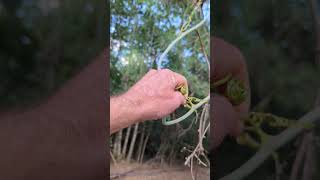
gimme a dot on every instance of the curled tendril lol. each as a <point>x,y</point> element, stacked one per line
<point>186,25</point>
<point>192,104</point>
<point>184,90</point>
<point>192,109</point>
<point>236,92</point>
<point>235,89</point>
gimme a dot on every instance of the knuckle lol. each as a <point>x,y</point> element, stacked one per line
<point>184,78</point>
<point>166,71</point>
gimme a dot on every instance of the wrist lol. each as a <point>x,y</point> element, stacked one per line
<point>132,105</point>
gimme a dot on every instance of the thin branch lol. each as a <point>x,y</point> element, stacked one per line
<point>113,159</point>
<point>199,151</point>
<point>271,145</point>
<point>204,52</point>
<point>309,164</point>
<point>299,159</point>
<point>184,131</point>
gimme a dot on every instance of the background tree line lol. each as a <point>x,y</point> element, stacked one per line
<point>140,32</point>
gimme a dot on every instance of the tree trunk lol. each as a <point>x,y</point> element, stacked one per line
<point>133,140</point>
<point>125,144</point>
<point>117,145</point>
<point>163,148</point>
<point>144,146</point>
<point>141,142</point>
<point>114,144</point>
<point>309,165</point>
<point>113,159</point>
<point>171,156</point>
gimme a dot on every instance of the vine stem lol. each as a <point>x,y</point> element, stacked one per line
<point>193,108</point>
<point>272,145</point>
<point>179,38</point>
<point>203,101</point>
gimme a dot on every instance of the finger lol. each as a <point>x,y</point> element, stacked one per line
<point>225,120</point>
<point>179,98</point>
<point>227,59</point>
<point>235,125</point>
<point>173,103</point>
<point>150,73</point>
<point>175,79</point>
<point>180,80</point>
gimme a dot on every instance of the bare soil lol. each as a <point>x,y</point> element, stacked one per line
<point>135,171</point>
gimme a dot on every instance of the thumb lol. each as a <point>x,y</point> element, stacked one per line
<point>178,99</point>
<point>225,120</point>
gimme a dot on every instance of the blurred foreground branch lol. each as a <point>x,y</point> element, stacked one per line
<point>271,145</point>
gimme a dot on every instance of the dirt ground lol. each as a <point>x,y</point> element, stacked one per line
<point>135,171</point>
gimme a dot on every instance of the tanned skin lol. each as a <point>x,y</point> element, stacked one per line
<point>63,137</point>
<point>152,97</point>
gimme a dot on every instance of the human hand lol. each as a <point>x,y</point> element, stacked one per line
<point>155,96</point>
<point>226,118</point>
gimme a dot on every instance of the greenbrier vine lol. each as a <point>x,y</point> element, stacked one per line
<point>186,25</point>
<point>179,38</point>
<point>193,109</point>
<point>190,100</point>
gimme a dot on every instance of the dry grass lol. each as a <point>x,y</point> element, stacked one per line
<point>135,171</point>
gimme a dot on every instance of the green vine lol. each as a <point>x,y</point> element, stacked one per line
<point>187,24</point>
<point>193,103</point>
<point>235,89</point>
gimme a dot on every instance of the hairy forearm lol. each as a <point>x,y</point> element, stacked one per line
<point>123,112</point>
<point>48,148</point>
<point>64,137</point>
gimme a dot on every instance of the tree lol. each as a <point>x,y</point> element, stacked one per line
<point>140,32</point>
